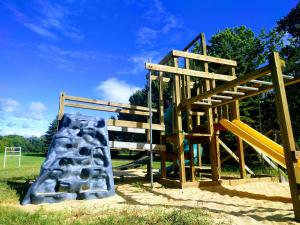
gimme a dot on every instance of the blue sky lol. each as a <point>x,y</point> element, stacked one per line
<point>97,48</point>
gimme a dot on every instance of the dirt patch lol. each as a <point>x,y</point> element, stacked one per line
<point>250,203</point>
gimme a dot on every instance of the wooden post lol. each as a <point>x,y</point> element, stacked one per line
<point>286,131</point>
<point>179,131</point>
<point>235,113</point>
<point>213,145</point>
<point>161,121</point>
<point>61,108</point>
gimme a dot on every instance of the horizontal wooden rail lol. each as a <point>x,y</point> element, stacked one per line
<point>127,129</point>
<point>187,72</point>
<point>107,109</point>
<point>135,146</point>
<point>107,103</point>
<point>165,79</point>
<point>204,58</point>
<point>134,124</point>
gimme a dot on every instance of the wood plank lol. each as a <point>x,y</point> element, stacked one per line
<point>134,124</point>
<point>135,146</point>
<point>107,109</point>
<point>204,58</point>
<point>241,80</point>
<point>235,113</point>
<point>210,122</point>
<point>161,121</point>
<point>107,103</point>
<point>166,58</point>
<point>126,129</point>
<point>165,79</point>
<point>179,130</point>
<point>286,132</point>
<point>61,106</point>
<point>197,38</point>
<point>187,72</point>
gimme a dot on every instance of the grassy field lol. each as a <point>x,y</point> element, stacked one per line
<point>14,183</point>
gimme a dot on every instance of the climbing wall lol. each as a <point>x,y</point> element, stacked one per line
<point>78,164</point>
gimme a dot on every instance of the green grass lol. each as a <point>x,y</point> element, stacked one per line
<point>10,216</point>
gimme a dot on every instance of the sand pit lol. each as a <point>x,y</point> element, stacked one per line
<point>250,203</point>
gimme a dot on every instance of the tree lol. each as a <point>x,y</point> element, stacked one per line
<point>52,129</point>
<point>290,24</point>
<point>250,51</point>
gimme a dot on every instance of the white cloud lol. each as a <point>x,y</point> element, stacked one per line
<point>36,111</point>
<point>138,62</point>
<point>162,22</point>
<point>116,90</point>
<point>40,30</point>
<point>8,105</point>
<point>67,59</point>
<point>48,19</point>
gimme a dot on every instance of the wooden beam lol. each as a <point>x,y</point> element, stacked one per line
<point>241,80</point>
<point>134,124</point>
<point>187,72</point>
<point>107,109</point>
<point>166,58</point>
<point>235,113</point>
<point>204,58</point>
<point>138,146</point>
<point>164,79</point>
<point>61,105</point>
<point>126,129</point>
<point>107,103</point>
<point>192,42</point>
<point>213,145</point>
<point>179,130</point>
<point>162,122</point>
<point>286,132</point>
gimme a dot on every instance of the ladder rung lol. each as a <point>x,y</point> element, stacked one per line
<point>212,100</point>
<point>261,82</point>
<point>222,96</point>
<point>202,103</point>
<point>248,88</point>
<point>233,92</point>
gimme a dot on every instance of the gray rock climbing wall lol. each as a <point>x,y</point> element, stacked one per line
<point>78,164</point>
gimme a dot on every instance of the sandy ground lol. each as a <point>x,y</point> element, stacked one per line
<point>250,203</point>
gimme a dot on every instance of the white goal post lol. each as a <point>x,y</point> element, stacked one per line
<point>12,151</point>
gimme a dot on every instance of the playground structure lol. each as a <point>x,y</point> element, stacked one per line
<point>208,94</point>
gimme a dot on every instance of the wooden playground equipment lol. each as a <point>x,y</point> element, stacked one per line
<point>206,90</point>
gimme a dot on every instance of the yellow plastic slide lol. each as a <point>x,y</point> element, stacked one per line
<point>257,140</point>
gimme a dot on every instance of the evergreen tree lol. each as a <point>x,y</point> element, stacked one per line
<point>290,24</point>
<point>52,129</point>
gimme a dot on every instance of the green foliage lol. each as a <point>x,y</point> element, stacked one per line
<point>52,129</point>
<point>31,144</point>
<point>291,53</point>
<point>240,44</point>
<point>290,23</point>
